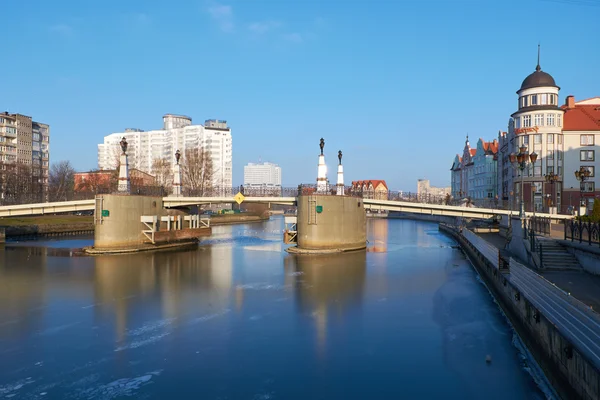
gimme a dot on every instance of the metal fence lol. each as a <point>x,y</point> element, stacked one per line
<point>583,232</point>
<point>540,225</point>
<point>488,250</point>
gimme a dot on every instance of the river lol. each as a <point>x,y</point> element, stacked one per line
<point>239,318</point>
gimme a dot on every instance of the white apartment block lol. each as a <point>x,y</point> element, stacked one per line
<point>262,174</point>
<point>178,133</point>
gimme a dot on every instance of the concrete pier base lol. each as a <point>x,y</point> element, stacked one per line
<point>118,224</point>
<point>2,235</point>
<point>328,224</point>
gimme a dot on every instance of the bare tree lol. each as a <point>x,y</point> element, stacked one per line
<point>61,181</point>
<point>161,169</point>
<point>197,171</point>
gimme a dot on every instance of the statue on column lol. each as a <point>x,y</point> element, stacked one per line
<point>322,145</point>
<point>123,144</point>
<point>340,156</point>
<point>177,156</point>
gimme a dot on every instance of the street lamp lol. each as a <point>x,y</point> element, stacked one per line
<point>521,161</point>
<point>551,178</point>
<point>582,175</point>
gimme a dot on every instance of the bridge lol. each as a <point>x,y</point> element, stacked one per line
<point>180,202</point>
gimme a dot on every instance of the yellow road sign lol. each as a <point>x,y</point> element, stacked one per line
<point>239,198</point>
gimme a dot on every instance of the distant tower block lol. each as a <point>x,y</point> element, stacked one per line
<point>340,177</point>
<point>177,175</point>
<point>322,186</point>
<point>124,183</point>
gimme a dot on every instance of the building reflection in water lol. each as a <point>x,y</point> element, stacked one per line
<point>326,286</point>
<point>180,283</point>
<point>22,290</point>
<point>377,235</point>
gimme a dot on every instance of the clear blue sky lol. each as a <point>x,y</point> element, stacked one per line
<point>396,85</point>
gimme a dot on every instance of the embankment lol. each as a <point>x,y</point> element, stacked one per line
<point>229,219</point>
<point>571,375</point>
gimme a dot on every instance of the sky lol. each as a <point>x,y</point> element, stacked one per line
<point>395,84</point>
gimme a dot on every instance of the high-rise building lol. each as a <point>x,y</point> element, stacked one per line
<point>262,174</point>
<point>26,142</point>
<point>178,133</point>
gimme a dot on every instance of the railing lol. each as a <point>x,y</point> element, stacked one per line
<point>540,225</point>
<point>529,230</point>
<point>488,250</point>
<point>583,232</point>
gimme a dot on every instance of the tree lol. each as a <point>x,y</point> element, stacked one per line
<point>61,181</point>
<point>197,171</point>
<point>596,211</point>
<point>161,169</point>
<point>96,182</point>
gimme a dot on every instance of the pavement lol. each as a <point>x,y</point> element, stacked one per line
<point>581,285</point>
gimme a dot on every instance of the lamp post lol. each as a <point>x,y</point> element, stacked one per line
<point>582,174</point>
<point>521,161</point>
<point>551,178</point>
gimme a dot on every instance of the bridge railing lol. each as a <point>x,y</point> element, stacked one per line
<point>582,232</point>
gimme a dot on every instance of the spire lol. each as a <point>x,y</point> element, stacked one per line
<point>538,68</point>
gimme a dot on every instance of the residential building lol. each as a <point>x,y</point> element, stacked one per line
<point>261,177</point>
<point>26,142</point>
<point>371,189</point>
<point>105,181</point>
<point>537,125</point>
<point>178,133</point>
<point>425,190</point>
<point>474,174</point>
<point>581,134</point>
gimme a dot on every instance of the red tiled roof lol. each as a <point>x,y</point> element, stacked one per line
<point>473,152</point>
<point>491,147</point>
<point>374,182</point>
<point>582,118</point>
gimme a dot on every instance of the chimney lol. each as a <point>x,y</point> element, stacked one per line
<point>570,102</point>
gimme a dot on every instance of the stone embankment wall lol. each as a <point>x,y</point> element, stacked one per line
<point>49,230</point>
<point>569,372</point>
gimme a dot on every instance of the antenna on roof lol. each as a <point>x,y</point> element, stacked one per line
<point>537,68</point>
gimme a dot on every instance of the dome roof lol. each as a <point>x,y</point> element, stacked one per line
<point>538,79</point>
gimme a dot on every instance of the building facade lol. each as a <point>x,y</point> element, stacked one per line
<point>424,189</point>
<point>178,133</point>
<point>474,174</point>
<point>263,176</point>
<point>581,136</point>
<point>536,125</point>
<point>26,142</point>
<point>371,189</point>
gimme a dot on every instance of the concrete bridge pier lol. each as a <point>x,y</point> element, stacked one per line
<point>328,224</point>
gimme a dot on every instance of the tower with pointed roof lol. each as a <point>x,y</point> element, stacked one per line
<point>537,124</point>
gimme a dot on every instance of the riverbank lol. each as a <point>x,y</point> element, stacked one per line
<point>47,225</point>
<point>70,225</point>
<point>242,218</point>
<point>569,372</point>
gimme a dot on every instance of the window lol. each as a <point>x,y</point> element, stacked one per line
<point>559,170</point>
<point>550,154</point>
<point>559,153</point>
<point>587,187</point>
<point>550,138</point>
<point>525,140</point>
<point>543,99</point>
<point>589,168</point>
<point>586,140</point>
<point>586,155</point>
<point>560,138</point>
<point>518,122</point>
<point>537,170</point>
<point>550,119</point>
<point>549,170</point>
<point>552,99</point>
<point>527,121</point>
<point>539,120</point>
<point>534,99</point>
<point>537,139</point>
<point>524,102</point>
<point>558,119</point>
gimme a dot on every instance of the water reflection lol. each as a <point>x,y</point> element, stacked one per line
<point>326,286</point>
<point>377,235</point>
